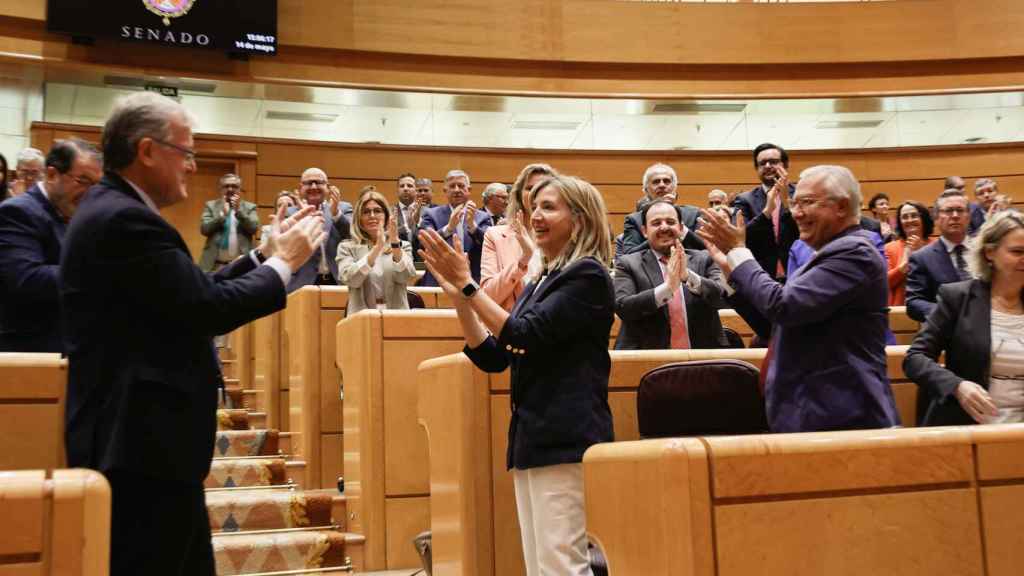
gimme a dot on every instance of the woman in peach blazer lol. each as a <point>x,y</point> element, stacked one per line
<point>913,229</point>
<point>508,248</point>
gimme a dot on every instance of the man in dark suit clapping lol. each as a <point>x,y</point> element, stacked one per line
<point>32,228</point>
<point>940,262</point>
<point>667,296</point>
<point>140,318</point>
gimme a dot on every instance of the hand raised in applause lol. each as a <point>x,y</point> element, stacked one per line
<point>453,220</point>
<point>334,201</point>
<point>379,245</point>
<point>524,240</point>
<point>294,239</point>
<point>676,267</point>
<point>778,194</point>
<point>716,229</point>
<point>449,265</point>
<point>470,216</point>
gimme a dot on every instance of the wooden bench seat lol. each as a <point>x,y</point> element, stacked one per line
<point>54,524</point>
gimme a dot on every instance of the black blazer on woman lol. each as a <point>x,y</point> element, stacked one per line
<point>556,342</point>
<point>960,326</point>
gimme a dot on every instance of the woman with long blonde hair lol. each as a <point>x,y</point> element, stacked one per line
<point>555,340</point>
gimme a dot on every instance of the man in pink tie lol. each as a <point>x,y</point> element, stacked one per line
<point>668,296</point>
<point>771,229</point>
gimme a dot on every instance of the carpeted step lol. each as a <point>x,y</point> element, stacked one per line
<point>236,443</point>
<point>232,419</point>
<point>246,553</point>
<point>231,473</point>
<point>242,510</point>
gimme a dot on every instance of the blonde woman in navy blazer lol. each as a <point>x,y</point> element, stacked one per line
<point>555,340</point>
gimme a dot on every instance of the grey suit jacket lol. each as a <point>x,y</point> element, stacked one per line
<point>645,325</point>
<point>212,226</point>
<point>396,276</point>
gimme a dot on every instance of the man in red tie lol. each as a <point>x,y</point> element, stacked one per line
<point>771,229</point>
<point>668,296</point>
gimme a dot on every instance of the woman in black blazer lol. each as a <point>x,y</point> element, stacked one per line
<point>556,342</point>
<point>979,324</point>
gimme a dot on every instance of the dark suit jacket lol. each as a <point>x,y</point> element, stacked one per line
<point>930,267</point>
<point>977,218</point>
<point>761,232</point>
<point>436,218</point>
<point>633,237</point>
<point>645,325</point>
<point>556,342</point>
<point>140,318</point>
<point>960,326</point>
<point>828,338</point>
<point>337,230</point>
<point>31,235</point>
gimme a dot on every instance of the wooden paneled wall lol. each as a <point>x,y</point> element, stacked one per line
<point>268,166</point>
<point>590,47</point>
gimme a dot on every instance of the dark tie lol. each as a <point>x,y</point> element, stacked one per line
<point>961,264</point>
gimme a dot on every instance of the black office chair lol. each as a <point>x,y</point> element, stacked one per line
<point>415,300</point>
<point>700,398</point>
<point>734,338</point>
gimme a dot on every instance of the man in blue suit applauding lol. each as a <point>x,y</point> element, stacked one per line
<point>940,262</point>
<point>322,268</point>
<point>828,367</point>
<point>460,216</point>
<point>31,236</point>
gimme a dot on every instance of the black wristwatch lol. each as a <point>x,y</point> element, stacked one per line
<point>470,289</point>
<point>259,256</point>
<point>396,244</point>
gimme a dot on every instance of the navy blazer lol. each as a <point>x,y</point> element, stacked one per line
<point>556,342</point>
<point>828,338</point>
<point>645,325</point>
<point>437,218</point>
<point>140,317</point>
<point>337,230</point>
<point>31,235</point>
<point>633,237</point>
<point>930,267</point>
<point>761,232</point>
<point>977,214</point>
<point>960,326</point>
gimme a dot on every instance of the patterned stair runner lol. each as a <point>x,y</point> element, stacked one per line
<point>240,510</point>
<point>235,443</point>
<point>232,419</point>
<point>232,473</point>
<point>243,553</point>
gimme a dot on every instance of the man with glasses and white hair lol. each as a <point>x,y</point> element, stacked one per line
<point>322,267</point>
<point>940,262</point>
<point>461,217</point>
<point>827,367</point>
<point>32,228</point>
<point>495,200</point>
<point>139,319</point>
<point>660,181</point>
<point>29,170</point>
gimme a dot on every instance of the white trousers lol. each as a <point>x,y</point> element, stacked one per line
<point>552,520</point>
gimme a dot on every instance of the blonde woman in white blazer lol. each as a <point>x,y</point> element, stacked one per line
<point>375,264</point>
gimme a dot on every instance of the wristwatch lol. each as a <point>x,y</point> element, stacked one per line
<point>470,289</point>
<point>396,244</point>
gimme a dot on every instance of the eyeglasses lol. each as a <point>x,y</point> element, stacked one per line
<point>769,162</point>
<point>372,212</point>
<point>314,183</point>
<point>805,204</point>
<point>953,211</point>
<point>188,153</point>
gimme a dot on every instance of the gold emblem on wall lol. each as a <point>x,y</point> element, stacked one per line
<point>168,9</point>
